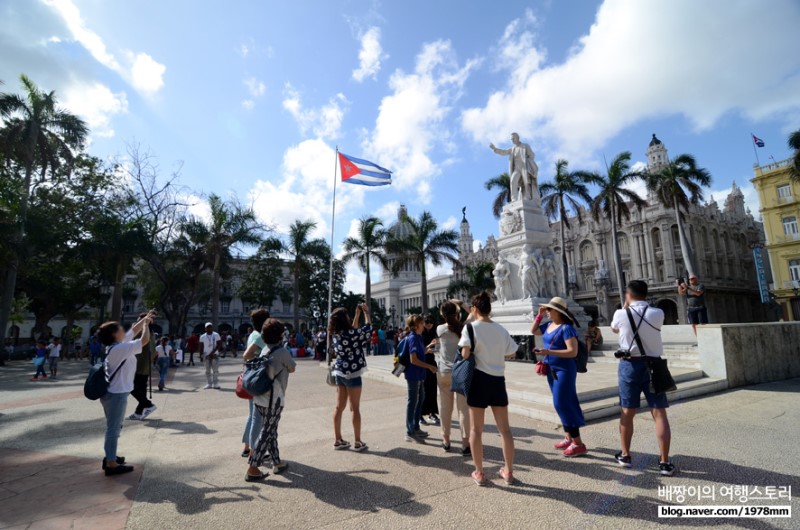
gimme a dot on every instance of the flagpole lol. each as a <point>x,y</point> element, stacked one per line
<point>330,272</point>
<point>755,151</point>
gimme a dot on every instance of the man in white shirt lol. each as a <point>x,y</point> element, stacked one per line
<point>634,371</point>
<point>53,354</point>
<point>209,351</point>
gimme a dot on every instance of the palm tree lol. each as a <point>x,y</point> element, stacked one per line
<point>794,144</point>
<point>231,225</point>
<point>567,191</point>
<point>303,250</point>
<point>477,278</point>
<point>37,132</point>
<point>503,182</point>
<point>367,246</point>
<point>423,242</point>
<point>614,201</point>
<point>679,184</point>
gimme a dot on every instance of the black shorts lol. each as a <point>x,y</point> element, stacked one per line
<point>487,391</point>
<point>698,315</point>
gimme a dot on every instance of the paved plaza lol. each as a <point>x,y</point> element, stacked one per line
<point>189,473</point>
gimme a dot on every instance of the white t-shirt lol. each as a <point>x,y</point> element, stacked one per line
<point>55,350</point>
<point>209,342</point>
<point>492,344</point>
<point>123,351</point>
<point>163,351</point>
<point>649,329</point>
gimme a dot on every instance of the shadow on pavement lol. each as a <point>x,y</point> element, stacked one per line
<point>180,427</point>
<point>195,497</point>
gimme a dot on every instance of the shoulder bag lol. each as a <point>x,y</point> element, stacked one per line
<point>464,368</point>
<point>660,377</point>
<point>96,385</point>
<point>256,379</point>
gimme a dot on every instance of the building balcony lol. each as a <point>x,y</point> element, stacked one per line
<point>785,238</point>
<point>766,168</point>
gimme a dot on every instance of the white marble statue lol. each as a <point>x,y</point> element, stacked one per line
<point>549,273</point>
<point>522,168</point>
<point>529,273</point>
<point>502,280</point>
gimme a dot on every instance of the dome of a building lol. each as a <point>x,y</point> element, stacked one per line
<point>400,228</point>
<point>655,141</point>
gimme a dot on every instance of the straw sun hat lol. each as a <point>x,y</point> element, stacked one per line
<point>559,304</point>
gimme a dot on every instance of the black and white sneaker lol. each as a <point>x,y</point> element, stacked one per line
<point>624,461</point>
<point>666,468</point>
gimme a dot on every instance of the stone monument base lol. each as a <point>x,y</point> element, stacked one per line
<point>517,315</point>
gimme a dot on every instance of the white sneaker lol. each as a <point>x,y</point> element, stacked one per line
<point>206,387</point>
<point>135,416</point>
<point>217,387</point>
<point>149,410</point>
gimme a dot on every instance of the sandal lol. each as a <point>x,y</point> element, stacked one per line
<point>279,468</point>
<point>506,476</point>
<point>340,445</point>
<point>255,478</point>
<point>479,478</point>
<point>446,447</point>
<point>245,453</point>
<point>360,446</point>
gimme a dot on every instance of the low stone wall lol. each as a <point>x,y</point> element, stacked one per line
<point>750,353</point>
<point>681,334</point>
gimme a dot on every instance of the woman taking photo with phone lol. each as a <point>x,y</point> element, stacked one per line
<point>560,341</point>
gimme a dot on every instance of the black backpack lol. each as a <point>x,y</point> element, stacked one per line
<point>96,385</point>
<point>582,359</point>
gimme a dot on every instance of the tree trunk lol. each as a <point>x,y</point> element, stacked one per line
<point>423,285</point>
<point>119,286</point>
<point>564,266</point>
<point>13,265</point>
<point>368,286</point>
<point>67,339</point>
<point>296,295</point>
<point>617,256</point>
<point>686,249</point>
<point>215,292</point>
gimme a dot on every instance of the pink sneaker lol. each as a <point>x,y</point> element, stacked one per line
<point>563,444</point>
<point>575,450</point>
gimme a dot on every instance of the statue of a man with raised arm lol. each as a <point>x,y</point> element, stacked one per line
<point>522,169</point>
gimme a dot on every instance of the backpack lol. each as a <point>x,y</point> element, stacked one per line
<point>403,357</point>
<point>256,379</point>
<point>464,368</point>
<point>96,385</point>
<point>582,359</point>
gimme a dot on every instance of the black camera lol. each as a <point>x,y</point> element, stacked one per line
<point>621,354</point>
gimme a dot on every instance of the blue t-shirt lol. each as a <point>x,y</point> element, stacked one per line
<point>415,347</point>
<point>381,334</point>
<point>557,340</point>
<point>41,352</point>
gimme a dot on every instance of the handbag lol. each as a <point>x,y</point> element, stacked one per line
<point>240,391</point>
<point>96,385</point>
<point>660,376</point>
<point>541,368</point>
<point>38,361</point>
<point>330,378</point>
<point>256,379</point>
<point>463,369</point>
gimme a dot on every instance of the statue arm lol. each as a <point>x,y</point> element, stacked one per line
<point>498,151</point>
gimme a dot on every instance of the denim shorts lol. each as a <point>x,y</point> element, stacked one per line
<point>634,379</point>
<point>348,383</point>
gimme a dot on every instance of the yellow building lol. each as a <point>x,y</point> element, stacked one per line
<point>780,210</point>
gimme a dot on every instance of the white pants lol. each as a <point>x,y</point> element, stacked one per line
<point>446,398</point>
<point>212,369</point>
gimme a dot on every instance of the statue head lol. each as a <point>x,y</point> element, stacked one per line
<point>515,138</point>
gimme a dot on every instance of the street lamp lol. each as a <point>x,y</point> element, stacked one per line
<point>392,311</point>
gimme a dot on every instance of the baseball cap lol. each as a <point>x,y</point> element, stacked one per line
<point>209,324</point>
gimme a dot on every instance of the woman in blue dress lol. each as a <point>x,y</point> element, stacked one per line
<point>560,341</point>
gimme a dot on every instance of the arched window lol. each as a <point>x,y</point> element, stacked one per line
<point>624,247</point>
<point>656,238</point>
<point>587,251</point>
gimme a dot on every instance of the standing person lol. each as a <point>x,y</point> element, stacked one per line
<point>144,363</point>
<point>255,345</point>
<point>270,405</point>
<point>374,342</point>
<point>120,366</point>
<point>349,343</point>
<point>53,355</point>
<point>560,340</point>
<point>163,359</point>
<point>95,349</point>
<point>634,373</point>
<point>430,405</point>
<point>493,345</point>
<point>696,312</point>
<point>192,346</point>
<point>210,343</point>
<point>449,334</point>
<point>594,337</point>
<point>381,341</point>
<point>38,361</point>
<point>416,371</point>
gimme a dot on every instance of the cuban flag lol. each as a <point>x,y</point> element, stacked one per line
<point>758,141</point>
<point>357,171</point>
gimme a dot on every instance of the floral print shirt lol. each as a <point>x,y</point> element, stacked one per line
<point>350,347</point>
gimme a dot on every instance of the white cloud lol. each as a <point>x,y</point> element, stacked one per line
<point>410,122</point>
<point>96,104</point>
<point>449,223</point>
<point>198,207</point>
<point>631,66</point>
<point>248,104</point>
<point>244,50</point>
<point>370,55</point>
<point>324,122</point>
<point>255,87</point>
<point>143,72</point>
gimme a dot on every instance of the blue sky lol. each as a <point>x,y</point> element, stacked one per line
<point>252,97</point>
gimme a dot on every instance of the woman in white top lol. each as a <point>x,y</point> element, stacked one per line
<point>120,365</point>
<point>449,335</point>
<point>493,345</point>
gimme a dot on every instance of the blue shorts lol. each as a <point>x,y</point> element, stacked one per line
<point>348,383</point>
<point>634,378</point>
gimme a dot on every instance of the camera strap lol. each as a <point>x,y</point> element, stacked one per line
<point>636,329</point>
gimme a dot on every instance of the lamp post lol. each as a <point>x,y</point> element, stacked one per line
<point>392,312</point>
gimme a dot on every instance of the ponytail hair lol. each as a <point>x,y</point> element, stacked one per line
<point>452,317</point>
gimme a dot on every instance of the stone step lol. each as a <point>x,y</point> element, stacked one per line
<point>673,362</point>
<point>674,348</point>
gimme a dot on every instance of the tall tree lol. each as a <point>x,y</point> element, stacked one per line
<point>679,184</point>
<point>614,201</point>
<point>306,254</point>
<point>568,191</point>
<point>794,145</point>
<point>503,183</point>
<point>40,136</point>
<point>231,225</point>
<point>366,247</point>
<point>262,282</point>
<point>477,278</point>
<point>423,242</point>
